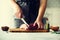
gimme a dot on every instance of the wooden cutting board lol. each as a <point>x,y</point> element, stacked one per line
<point>29,30</point>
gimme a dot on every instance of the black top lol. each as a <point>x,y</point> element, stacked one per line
<point>33,6</point>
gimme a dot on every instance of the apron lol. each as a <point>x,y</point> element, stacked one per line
<point>30,10</point>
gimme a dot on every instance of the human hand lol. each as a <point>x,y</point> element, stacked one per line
<point>24,27</point>
<point>39,23</point>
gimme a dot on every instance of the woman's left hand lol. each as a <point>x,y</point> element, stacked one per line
<point>39,23</point>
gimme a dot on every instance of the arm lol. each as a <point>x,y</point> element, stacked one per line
<point>17,9</point>
<point>42,8</point>
<point>41,11</point>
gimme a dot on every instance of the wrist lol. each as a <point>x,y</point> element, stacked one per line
<point>39,19</point>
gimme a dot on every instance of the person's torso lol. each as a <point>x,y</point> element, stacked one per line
<point>32,4</point>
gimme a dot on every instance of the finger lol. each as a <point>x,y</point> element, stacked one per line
<point>42,26</point>
<point>34,24</point>
<point>39,26</point>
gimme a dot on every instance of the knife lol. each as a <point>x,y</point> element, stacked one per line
<point>24,21</point>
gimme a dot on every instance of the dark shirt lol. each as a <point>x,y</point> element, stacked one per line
<point>30,9</point>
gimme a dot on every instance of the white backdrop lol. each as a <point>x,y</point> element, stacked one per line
<point>53,12</point>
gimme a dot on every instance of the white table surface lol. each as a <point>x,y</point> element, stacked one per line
<point>28,36</point>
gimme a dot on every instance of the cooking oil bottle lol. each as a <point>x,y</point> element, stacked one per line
<point>46,26</point>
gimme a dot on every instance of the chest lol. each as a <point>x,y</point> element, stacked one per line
<point>28,1</point>
<point>32,4</point>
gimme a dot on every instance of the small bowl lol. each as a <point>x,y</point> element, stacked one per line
<point>55,28</point>
<point>5,28</point>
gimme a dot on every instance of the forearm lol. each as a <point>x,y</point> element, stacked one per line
<point>15,5</point>
<point>17,10</point>
<point>42,9</point>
